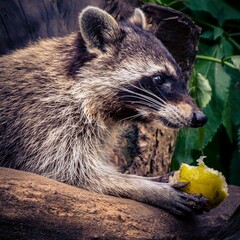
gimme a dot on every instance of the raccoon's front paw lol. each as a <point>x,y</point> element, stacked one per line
<point>189,204</point>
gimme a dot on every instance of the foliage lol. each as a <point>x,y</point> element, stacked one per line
<point>215,85</point>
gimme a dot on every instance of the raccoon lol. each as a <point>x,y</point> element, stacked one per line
<point>62,99</point>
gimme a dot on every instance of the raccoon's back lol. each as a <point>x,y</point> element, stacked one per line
<point>37,63</point>
<point>33,94</point>
<point>34,72</point>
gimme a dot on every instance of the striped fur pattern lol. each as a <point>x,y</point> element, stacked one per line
<point>62,99</point>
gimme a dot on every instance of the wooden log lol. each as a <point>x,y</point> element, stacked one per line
<point>35,207</point>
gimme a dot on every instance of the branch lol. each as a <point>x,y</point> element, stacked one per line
<point>35,207</point>
<point>217,60</point>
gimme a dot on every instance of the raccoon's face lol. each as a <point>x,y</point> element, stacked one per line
<point>139,73</point>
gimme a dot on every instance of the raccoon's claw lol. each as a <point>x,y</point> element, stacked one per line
<point>165,178</point>
<point>190,204</point>
<point>180,185</point>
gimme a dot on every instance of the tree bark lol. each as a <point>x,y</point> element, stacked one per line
<point>145,150</point>
<point>35,207</point>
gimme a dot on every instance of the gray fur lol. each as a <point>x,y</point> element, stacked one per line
<point>60,106</point>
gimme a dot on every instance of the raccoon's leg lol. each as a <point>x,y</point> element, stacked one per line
<point>159,194</point>
<point>164,178</point>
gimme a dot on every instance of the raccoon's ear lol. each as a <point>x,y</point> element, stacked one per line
<point>98,28</point>
<point>138,18</point>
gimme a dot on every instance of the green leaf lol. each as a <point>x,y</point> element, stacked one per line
<point>222,78</point>
<point>217,32</point>
<point>221,84</point>
<point>219,9</point>
<point>235,169</point>
<point>239,139</point>
<point>214,108</point>
<point>231,112</point>
<point>212,126</point>
<point>207,35</point>
<point>159,2</point>
<point>184,146</point>
<point>227,120</point>
<point>192,140</point>
<point>234,97</point>
<point>213,152</point>
<point>221,135</point>
<point>236,61</point>
<point>203,90</point>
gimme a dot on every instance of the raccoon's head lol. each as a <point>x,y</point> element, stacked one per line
<point>132,76</point>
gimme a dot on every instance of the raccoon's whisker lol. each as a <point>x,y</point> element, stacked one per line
<point>144,103</point>
<point>130,118</point>
<point>153,94</point>
<point>160,99</point>
<point>172,112</point>
<point>169,105</point>
<point>161,94</point>
<point>141,88</point>
<point>177,114</point>
<point>172,116</point>
<point>137,96</point>
<point>147,100</point>
<point>144,97</point>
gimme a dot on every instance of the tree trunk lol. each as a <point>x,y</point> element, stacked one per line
<point>35,207</point>
<point>145,150</point>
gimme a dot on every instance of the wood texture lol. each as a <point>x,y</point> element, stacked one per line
<point>34,207</point>
<point>145,150</point>
<point>177,32</point>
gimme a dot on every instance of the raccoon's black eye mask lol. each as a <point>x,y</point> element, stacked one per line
<point>158,79</point>
<point>160,86</point>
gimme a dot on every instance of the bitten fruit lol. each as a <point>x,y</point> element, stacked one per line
<point>203,180</point>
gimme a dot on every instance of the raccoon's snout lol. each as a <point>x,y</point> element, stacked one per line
<point>198,119</point>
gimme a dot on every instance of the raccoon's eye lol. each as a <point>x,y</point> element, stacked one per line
<point>158,79</point>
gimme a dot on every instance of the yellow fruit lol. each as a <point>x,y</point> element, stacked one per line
<point>204,180</point>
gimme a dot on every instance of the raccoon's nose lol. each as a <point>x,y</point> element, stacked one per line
<point>199,119</point>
